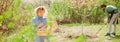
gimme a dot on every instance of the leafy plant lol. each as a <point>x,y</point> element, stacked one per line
<point>81,38</point>
<point>11,25</point>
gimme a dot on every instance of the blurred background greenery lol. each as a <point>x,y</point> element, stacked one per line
<point>16,15</point>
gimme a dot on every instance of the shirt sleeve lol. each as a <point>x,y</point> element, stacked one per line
<point>33,20</point>
<point>106,13</point>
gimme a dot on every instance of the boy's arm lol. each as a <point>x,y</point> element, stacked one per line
<point>107,14</point>
<point>40,25</point>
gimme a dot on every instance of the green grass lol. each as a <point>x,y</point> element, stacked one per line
<point>81,38</point>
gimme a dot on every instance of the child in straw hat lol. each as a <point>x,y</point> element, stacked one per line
<point>40,22</point>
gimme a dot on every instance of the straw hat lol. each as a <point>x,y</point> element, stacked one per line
<point>42,7</point>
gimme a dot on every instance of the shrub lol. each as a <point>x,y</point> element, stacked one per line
<point>78,11</point>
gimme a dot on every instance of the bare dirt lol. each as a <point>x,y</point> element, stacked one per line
<point>93,33</point>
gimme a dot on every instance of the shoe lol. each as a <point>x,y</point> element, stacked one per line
<point>113,33</point>
<point>108,34</point>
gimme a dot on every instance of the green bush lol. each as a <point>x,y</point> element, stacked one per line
<point>78,12</point>
<point>14,18</point>
<point>27,33</point>
<point>14,15</point>
<point>7,17</point>
<point>11,25</point>
<point>59,9</point>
